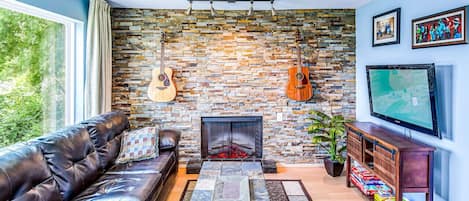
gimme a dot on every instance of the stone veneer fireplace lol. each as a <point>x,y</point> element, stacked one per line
<point>234,138</point>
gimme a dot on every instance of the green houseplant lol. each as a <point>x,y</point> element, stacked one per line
<point>329,133</point>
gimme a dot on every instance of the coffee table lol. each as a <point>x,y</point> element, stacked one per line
<point>230,181</point>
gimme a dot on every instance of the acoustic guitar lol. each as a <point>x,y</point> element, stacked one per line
<point>162,87</point>
<point>299,88</point>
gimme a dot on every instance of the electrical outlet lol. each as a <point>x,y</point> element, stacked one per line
<point>279,116</point>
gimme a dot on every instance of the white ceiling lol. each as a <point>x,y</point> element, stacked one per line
<point>201,5</point>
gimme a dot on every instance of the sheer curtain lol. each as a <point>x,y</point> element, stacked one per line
<point>98,81</point>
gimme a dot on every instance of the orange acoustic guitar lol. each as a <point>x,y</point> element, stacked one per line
<point>162,87</point>
<point>299,88</point>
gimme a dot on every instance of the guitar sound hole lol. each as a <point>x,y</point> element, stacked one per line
<point>300,76</point>
<point>162,77</point>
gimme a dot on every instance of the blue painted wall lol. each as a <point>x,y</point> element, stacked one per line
<point>455,58</point>
<point>76,9</point>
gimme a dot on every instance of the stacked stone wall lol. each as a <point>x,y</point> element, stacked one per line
<point>234,65</point>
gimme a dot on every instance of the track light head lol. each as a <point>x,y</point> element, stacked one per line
<point>251,9</point>
<point>212,9</point>
<point>274,12</point>
<point>189,9</point>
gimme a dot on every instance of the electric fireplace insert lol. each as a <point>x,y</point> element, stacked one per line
<point>232,138</point>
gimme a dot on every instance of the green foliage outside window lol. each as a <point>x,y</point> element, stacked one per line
<point>31,76</point>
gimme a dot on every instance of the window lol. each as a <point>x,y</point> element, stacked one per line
<point>41,59</point>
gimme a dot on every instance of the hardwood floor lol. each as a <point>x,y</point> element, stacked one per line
<point>320,186</point>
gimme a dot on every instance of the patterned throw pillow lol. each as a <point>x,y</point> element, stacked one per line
<point>139,145</point>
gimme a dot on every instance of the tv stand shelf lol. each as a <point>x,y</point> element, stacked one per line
<point>400,162</point>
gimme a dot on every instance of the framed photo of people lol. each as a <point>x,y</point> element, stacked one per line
<point>386,28</point>
<point>441,29</point>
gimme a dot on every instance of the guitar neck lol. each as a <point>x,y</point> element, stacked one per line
<point>162,41</point>
<point>300,63</point>
<point>162,58</point>
<point>298,49</point>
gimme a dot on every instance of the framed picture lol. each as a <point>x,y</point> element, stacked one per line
<point>441,29</point>
<point>386,28</point>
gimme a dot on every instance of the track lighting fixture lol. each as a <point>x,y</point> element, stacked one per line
<point>212,10</point>
<point>251,9</point>
<point>214,13</point>
<point>189,10</point>
<point>272,8</point>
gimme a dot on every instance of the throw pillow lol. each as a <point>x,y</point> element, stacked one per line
<point>138,145</point>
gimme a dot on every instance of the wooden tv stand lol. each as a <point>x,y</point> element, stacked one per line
<point>400,162</point>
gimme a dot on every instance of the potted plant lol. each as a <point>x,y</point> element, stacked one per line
<point>329,133</point>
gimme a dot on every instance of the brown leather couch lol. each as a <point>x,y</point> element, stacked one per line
<point>77,163</point>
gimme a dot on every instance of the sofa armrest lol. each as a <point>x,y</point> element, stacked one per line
<point>169,139</point>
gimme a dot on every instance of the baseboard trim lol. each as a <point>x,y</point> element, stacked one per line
<point>300,165</point>
<point>284,165</point>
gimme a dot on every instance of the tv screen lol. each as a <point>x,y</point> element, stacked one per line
<point>404,95</point>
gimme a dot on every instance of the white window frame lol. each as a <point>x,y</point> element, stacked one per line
<point>74,55</point>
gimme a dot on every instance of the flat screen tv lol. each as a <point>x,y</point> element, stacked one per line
<point>404,95</point>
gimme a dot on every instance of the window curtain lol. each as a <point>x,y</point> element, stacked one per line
<point>98,81</point>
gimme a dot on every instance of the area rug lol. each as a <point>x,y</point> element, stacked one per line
<point>279,190</point>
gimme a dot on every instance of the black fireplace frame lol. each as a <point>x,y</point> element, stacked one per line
<point>258,138</point>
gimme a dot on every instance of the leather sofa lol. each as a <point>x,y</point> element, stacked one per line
<point>77,163</point>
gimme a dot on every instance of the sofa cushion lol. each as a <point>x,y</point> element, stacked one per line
<point>162,164</point>
<point>72,159</point>
<point>105,133</point>
<point>24,175</point>
<point>138,145</point>
<point>128,187</point>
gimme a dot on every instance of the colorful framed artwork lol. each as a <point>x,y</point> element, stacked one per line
<point>441,29</point>
<point>386,28</point>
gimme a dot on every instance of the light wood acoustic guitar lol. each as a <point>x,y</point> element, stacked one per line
<point>299,88</point>
<point>162,87</point>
